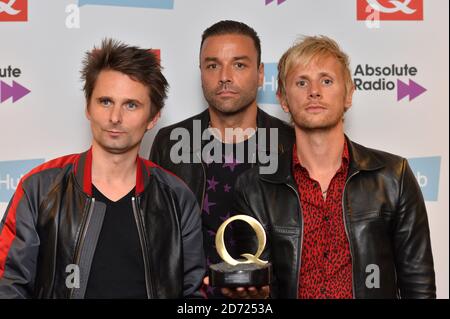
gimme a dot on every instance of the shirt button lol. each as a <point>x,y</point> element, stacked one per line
<point>325,255</point>
<point>326,218</point>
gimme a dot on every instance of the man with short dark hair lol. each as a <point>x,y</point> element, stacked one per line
<point>105,223</point>
<point>228,138</point>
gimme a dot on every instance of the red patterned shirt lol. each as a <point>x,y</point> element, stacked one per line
<point>326,268</point>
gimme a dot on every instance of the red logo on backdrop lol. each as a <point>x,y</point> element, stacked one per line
<point>13,10</point>
<point>390,9</point>
<point>156,52</point>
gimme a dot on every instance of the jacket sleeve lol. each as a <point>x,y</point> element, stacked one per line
<point>193,254</point>
<point>412,244</point>
<point>19,247</point>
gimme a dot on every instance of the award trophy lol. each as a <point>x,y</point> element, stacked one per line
<point>234,273</point>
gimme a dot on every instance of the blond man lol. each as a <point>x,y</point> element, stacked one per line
<point>342,220</point>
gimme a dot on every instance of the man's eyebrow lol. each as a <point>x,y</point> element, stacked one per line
<point>326,74</point>
<point>211,59</point>
<point>304,76</point>
<point>104,97</point>
<point>135,101</point>
<point>236,58</point>
<point>243,57</point>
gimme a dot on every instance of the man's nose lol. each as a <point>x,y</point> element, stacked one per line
<point>115,114</point>
<point>225,75</point>
<point>314,91</point>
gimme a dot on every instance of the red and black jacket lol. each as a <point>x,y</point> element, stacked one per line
<point>53,221</point>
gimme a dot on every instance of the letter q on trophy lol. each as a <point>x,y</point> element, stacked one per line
<point>248,272</point>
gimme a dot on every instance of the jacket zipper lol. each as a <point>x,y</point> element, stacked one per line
<point>204,180</point>
<point>85,227</point>
<point>301,239</point>
<point>142,239</point>
<point>346,232</point>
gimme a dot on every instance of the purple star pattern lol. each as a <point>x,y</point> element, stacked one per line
<point>212,183</point>
<point>230,162</point>
<point>207,204</point>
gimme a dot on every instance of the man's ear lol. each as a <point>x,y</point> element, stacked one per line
<point>153,121</point>
<point>261,75</point>
<point>86,112</point>
<point>349,98</point>
<point>283,102</point>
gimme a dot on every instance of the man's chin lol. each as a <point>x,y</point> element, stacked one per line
<point>229,110</point>
<point>116,149</point>
<point>316,127</point>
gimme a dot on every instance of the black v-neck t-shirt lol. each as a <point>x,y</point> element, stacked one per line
<point>117,269</point>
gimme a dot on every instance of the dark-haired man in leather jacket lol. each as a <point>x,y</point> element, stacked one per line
<point>105,224</point>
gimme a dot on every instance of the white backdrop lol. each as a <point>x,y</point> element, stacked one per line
<point>49,120</point>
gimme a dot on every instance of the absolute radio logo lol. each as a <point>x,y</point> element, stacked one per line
<point>13,10</point>
<point>11,89</point>
<point>390,10</point>
<point>387,78</point>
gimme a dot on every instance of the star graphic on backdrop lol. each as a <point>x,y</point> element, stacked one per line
<point>226,188</point>
<point>207,204</point>
<point>230,162</point>
<point>212,183</point>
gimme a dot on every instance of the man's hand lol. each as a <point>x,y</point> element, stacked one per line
<point>244,292</point>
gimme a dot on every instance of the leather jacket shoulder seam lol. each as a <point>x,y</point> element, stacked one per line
<point>402,180</point>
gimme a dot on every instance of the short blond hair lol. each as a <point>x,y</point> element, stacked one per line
<point>305,50</point>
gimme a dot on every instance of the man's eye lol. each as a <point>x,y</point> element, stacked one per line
<point>327,81</point>
<point>131,106</point>
<point>302,83</point>
<point>240,65</point>
<point>105,102</point>
<point>211,66</point>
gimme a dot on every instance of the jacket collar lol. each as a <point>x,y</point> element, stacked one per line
<point>361,159</point>
<point>83,173</point>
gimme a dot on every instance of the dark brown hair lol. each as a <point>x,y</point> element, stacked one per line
<point>141,65</point>
<point>233,27</point>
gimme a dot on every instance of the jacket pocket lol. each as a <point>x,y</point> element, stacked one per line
<point>285,230</point>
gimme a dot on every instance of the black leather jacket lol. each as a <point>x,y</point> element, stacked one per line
<point>385,221</point>
<point>52,222</point>
<point>194,173</point>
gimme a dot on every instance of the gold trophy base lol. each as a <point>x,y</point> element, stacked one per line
<point>224,275</point>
